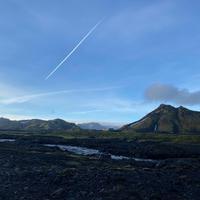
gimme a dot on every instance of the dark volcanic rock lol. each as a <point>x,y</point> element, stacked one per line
<point>31,171</point>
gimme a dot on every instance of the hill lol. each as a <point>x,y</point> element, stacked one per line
<point>94,126</point>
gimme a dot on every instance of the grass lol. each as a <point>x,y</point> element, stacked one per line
<point>115,135</point>
<point>132,136</point>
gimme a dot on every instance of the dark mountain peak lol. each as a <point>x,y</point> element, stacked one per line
<point>169,107</point>
<point>181,108</point>
<point>60,121</point>
<point>165,107</point>
<point>57,119</point>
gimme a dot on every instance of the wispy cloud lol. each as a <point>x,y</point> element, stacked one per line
<point>26,98</point>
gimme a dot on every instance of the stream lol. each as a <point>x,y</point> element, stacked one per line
<point>91,152</point>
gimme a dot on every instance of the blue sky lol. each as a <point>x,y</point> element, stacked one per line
<point>139,45</point>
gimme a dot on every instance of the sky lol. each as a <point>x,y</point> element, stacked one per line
<point>143,53</point>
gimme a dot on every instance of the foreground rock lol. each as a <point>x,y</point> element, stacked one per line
<point>29,171</point>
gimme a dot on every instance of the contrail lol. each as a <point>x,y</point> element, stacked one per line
<point>74,49</point>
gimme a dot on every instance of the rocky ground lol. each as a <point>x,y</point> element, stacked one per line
<point>31,171</point>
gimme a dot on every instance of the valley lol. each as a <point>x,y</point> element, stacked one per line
<point>58,160</point>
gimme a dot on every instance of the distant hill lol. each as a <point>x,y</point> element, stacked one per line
<point>37,125</point>
<point>93,126</point>
<point>97,126</point>
<point>168,119</point>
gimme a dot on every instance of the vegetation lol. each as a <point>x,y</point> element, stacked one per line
<point>126,135</point>
<point>131,136</point>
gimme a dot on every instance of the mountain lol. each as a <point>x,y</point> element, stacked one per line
<point>93,126</point>
<point>168,119</point>
<point>37,125</point>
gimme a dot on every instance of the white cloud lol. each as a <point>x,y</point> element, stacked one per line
<point>172,94</point>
